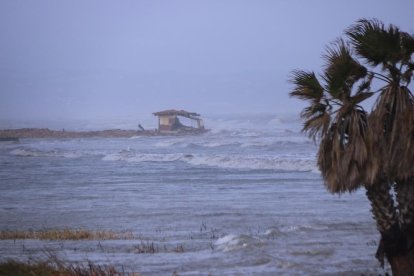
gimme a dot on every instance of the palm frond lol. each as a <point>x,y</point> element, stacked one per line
<point>365,85</point>
<point>360,97</point>
<point>407,44</point>
<point>317,120</point>
<point>407,76</point>
<point>376,43</point>
<point>307,86</point>
<point>343,156</point>
<point>393,119</point>
<point>341,70</point>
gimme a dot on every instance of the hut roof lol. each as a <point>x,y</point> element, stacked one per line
<point>170,112</point>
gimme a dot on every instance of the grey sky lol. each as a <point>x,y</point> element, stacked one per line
<point>87,59</point>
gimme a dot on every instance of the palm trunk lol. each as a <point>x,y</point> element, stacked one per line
<point>394,226</point>
<point>385,215</point>
<point>405,198</point>
<point>404,263</point>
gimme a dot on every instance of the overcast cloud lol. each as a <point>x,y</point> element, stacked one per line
<point>116,59</point>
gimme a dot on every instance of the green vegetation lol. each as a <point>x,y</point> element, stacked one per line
<point>358,148</point>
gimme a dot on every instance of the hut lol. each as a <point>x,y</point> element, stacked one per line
<point>169,122</point>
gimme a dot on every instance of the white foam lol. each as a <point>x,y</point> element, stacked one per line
<point>51,153</point>
<point>221,143</point>
<point>254,162</point>
<point>130,156</point>
<point>234,242</point>
<point>272,232</point>
<point>165,144</point>
<point>302,228</point>
<point>274,122</point>
<point>281,163</point>
<point>24,152</point>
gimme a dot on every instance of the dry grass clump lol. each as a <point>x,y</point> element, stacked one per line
<point>59,268</point>
<point>179,248</point>
<point>65,234</point>
<point>52,265</point>
<point>146,248</point>
<point>151,248</point>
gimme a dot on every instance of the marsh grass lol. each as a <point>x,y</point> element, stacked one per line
<point>51,264</point>
<point>146,248</point>
<point>65,234</point>
<point>56,267</point>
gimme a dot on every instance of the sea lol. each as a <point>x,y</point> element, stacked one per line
<point>245,198</point>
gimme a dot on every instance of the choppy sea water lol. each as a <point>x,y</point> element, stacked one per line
<point>245,198</point>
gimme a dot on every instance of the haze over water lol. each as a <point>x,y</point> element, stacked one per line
<point>104,60</point>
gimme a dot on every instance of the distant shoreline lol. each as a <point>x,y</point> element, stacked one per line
<point>47,133</point>
<point>15,134</point>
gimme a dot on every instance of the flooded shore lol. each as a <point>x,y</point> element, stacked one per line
<point>245,198</point>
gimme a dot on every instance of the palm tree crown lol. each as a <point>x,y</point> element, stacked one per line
<point>336,118</point>
<point>392,117</point>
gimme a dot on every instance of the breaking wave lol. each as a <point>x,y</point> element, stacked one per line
<point>264,144</point>
<point>220,161</point>
<point>244,139</point>
<point>235,242</point>
<point>254,162</point>
<point>130,156</point>
<point>50,153</point>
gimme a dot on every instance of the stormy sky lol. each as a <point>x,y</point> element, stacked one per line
<point>96,59</point>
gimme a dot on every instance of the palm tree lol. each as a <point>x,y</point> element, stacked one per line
<point>336,118</point>
<point>392,119</point>
<point>373,150</point>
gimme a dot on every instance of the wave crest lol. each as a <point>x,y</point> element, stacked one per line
<point>281,163</point>
<point>235,242</point>
<point>50,153</point>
